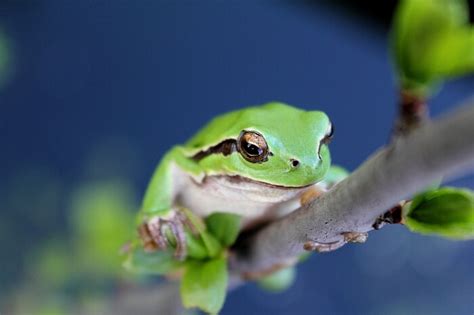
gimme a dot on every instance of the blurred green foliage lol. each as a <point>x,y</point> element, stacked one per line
<point>76,271</point>
<point>5,58</point>
<point>432,41</point>
<point>278,281</point>
<point>23,217</point>
<point>100,217</point>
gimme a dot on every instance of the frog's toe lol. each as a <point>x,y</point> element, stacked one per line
<point>323,247</point>
<point>176,228</point>
<point>158,234</point>
<point>355,237</point>
<point>347,237</point>
<point>186,222</point>
<point>151,235</point>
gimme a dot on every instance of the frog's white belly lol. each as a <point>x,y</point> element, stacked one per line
<point>234,194</point>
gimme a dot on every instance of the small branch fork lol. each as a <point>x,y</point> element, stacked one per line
<point>392,216</point>
<point>412,113</point>
<point>412,162</point>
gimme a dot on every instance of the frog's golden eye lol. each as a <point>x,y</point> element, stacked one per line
<point>252,146</point>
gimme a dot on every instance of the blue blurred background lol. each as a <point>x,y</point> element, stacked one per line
<point>94,92</point>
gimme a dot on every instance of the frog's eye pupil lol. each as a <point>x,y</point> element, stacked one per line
<point>252,146</point>
<point>253,149</point>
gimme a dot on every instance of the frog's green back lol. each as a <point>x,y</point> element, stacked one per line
<point>284,122</point>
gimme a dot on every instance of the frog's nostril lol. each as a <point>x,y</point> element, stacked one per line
<point>294,163</point>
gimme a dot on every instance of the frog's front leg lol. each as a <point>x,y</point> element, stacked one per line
<point>160,223</point>
<point>161,232</point>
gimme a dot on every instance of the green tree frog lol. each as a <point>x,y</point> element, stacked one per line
<point>259,162</point>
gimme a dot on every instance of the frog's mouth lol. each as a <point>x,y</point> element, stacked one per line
<point>240,180</point>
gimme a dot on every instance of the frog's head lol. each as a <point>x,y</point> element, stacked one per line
<point>274,143</point>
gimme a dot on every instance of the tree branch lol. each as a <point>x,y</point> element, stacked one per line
<point>441,148</point>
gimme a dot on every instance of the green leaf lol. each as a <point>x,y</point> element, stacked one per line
<point>431,42</point>
<point>447,212</point>
<point>202,246</point>
<point>204,284</point>
<point>195,220</point>
<point>196,247</point>
<point>210,242</point>
<point>224,226</point>
<point>158,263</point>
<point>279,280</point>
